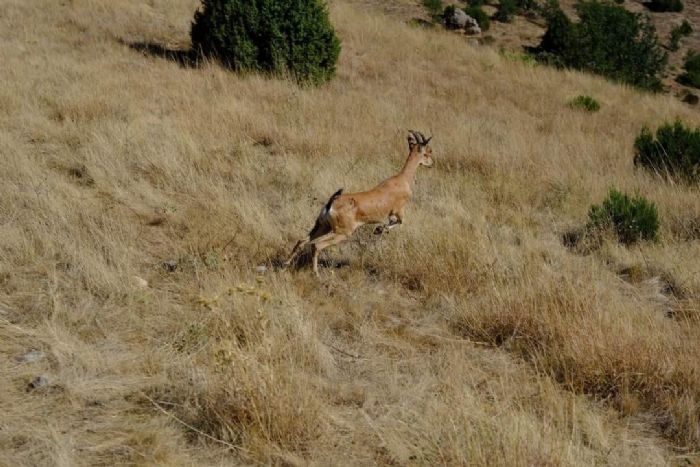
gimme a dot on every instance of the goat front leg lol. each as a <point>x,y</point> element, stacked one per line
<point>394,221</point>
<point>322,244</point>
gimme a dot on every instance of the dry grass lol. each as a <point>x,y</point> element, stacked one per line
<point>470,335</point>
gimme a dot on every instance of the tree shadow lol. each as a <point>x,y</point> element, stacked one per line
<point>185,58</point>
<point>660,7</point>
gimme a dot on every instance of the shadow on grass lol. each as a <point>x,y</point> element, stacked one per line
<point>184,58</point>
<point>304,260</point>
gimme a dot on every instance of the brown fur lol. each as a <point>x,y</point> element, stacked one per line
<point>344,213</point>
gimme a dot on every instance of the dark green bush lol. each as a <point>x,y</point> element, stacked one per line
<point>476,2</point>
<point>608,40</point>
<point>480,16</point>
<point>527,6</point>
<point>586,103</point>
<point>632,219</point>
<point>506,10</point>
<point>559,39</point>
<point>677,33</point>
<point>447,15</point>
<point>665,5</point>
<point>277,36</point>
<point>691,76</point>
<point>674,152</point>
<point>434,7</point>
<point>685,28</point>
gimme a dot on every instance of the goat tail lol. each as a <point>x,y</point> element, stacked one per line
<point>327,207</point>
<point>322,224</point>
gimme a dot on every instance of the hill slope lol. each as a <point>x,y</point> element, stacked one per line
<point>470,335</point>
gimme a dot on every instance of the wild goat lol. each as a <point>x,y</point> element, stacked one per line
<point>343,213</point>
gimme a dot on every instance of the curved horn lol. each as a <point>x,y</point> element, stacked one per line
<point>428,140</point>
<point>420,138</point>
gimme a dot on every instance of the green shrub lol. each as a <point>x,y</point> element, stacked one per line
<point>525,59</point>
<point>632,219</point>
<point>586,103</point>
<point>665,5</point>
<point>685,28</point>
<point>506,10</point>
<point>675,151</point>
<point>480,16</point>
<point>447,15</point>
<point>476,2</point>
<point>691,76</point>
<point>677,33</point>
<point>608,40</point>
<point>434,7</point>
<point>559,38</point>
<point>527,5</point>
<point>277,36</point>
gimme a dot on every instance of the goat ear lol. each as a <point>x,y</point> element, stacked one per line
<point>412,141</point>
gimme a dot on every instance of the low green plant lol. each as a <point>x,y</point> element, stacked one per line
<point>685,28</point>
<point>528,6</point>
<point>631,218</point>
<point>434,7</point>
<point>586,103</point>
<point>691,65</point>
<point>525,59</point>
<point>675,151</point>
<point>476,2</point>
<point>506,11</point>
<point>677,34</point>
<point>480,16</point>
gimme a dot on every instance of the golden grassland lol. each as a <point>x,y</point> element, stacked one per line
<point>471,335</point>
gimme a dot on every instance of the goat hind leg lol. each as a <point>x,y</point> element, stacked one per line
<point>297,249</point>
<point>320,230</point>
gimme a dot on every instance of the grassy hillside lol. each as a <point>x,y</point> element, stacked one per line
<point>470,335</point>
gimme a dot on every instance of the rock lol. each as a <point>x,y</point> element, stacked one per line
<point>261,269</point>
<point>38,383</point>
<point>471,26</point>
<point>31,356</point>
<point>691,99</point>
<point>170,265</point>
<point>475,31</point>
<point>139,282</point>
<point>457,19</point>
